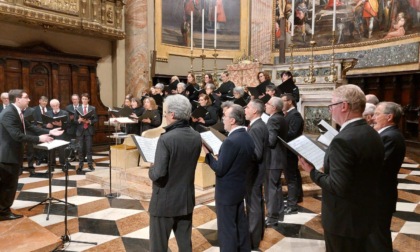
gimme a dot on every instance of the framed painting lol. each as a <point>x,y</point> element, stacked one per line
<point>357,21</point>
<point>185,25</point>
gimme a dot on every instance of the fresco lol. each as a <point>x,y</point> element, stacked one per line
<point>176,23</point>
<point>356,21</point>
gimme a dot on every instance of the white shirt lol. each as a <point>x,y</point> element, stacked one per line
<point>236,128</point>
<point>350,121</point>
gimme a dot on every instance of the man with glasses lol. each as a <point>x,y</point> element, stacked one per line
<point>352,168</point>
<point>277,127</point>
<point>234,155</point>
<point>4,100</point>
<point>13,133</point>
<point>386,119</point>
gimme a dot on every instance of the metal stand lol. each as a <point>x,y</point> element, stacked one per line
<point>66,238</point>
<point>111,194</point>
<point>50,198</point>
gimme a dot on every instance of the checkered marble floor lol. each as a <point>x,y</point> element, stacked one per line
<point>122,223</point>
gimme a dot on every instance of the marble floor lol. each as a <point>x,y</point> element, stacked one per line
<point>121,224</point>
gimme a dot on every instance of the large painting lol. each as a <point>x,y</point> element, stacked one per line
<point>176,23</point>
<point>356,21</point>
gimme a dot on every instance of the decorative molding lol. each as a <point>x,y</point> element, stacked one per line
<point>54,19</point>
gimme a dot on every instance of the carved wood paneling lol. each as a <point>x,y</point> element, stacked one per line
<point>42,70</point>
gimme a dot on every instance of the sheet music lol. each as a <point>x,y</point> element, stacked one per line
<point>327,133</point>
<point>53,144</point>
<point>308,150</point>
<point>265,117</point>
<point>121,120</point>
<point>147,147</point>
<point>212,141</point>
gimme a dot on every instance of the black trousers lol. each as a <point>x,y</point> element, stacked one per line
<point>9,175</point>
<point>335,243</point>
<point>232,228</point>
<point>294,180</point>
<point>85,147</point>
<point>274,195</point>
<point>380,240</point>
<point>255,212</point>
<point>160,230</point>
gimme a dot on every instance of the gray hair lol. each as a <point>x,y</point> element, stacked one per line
<point>182,85</point>
<point>54,101</point>
<point>211,86</point>
<point>226,104</point>
<point>238,113</point>
<point>371,98</point>
<point>277,103</point>
<point>160,86</point>
<point>353,95</point>
<point>258,105</point>
<point>239,90</point>
<point>4,95</point>
<point>179,105</point>
<point>369,109</point>
<point>392,108</point>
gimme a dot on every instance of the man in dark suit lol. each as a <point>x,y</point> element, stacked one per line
<point>352,168</point>
<point>230,168</point>
<point>386,119</point>
<point>57,112</point>
<point>72,124</point>
<point>4,100</point>
<point>173,196</point>
<point>294,180</point>
<point>256,171</point>
<point>40,155</point>
<point>277,127</point>
<point>13,132</point>
<point>85,131</point>
<point>30,151</point>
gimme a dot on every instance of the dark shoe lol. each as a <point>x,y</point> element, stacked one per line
<point>290,210</point>
<point>9,216</point>
<point>300,200</point>
<point>270,224</point>
<point>80,172</point>
<point>91,168</point>
<point>31,171</point>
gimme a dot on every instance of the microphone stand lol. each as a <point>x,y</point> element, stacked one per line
<point>66,238</point>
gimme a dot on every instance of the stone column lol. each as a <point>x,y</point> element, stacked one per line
<point>136,47</point>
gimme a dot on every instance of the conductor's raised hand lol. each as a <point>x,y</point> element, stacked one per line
<point>56,132</point>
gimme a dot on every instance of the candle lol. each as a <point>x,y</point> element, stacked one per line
<point>293,17</point>
<point>215,26</point>
<point>202,29</point>
<point>192,30</point>
<point>334,14</point>
<point>313,17</point>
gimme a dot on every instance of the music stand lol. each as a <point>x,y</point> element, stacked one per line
<point>51,146</point>
<point>117,121</point>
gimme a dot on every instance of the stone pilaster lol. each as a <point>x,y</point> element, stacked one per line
<point>136,47</point>
<point>262,30</point>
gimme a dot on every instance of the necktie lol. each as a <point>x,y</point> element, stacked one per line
<point>42,111</point>
<point>86,125</point>
<point>23,122</point>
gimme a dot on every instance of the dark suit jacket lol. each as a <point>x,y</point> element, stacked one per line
<point>230,168</point>
<point>295,122</point>
<point>93,120</point>
<point>12,136</point>
<point>64,124</point>
<point>1,107</point>
<point>352,166</point>
<point>173,172</point>
<point>394,144</point>
<point>259,134</point>
<point>277,127</point>
<point>72,124</point>
<point>37,113</point>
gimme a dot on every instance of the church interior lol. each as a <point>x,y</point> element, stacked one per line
<point>111,48</point>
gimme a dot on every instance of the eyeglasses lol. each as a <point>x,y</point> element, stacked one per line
<point>333,104</point>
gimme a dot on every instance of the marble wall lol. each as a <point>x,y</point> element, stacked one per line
<point>261,30</point>
<point>136,47</point>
